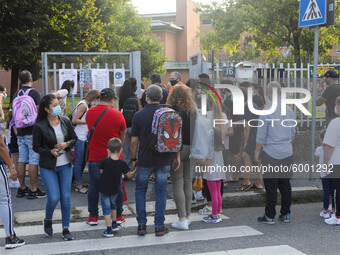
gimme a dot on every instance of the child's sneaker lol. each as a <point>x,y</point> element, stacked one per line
<point>93,221</point>
<point>108,233</point>
<point>219,217</point>
<point>212,219</point>
<point>332,213</point>
<point>325,214</point>
<point>120,219</point>
<point>333,221</point>
<point>116,227</point>
<point>205,211</point>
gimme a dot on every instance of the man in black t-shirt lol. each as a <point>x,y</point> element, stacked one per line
<point>330,94</point>
<point>150,162</point>
<point>25,144</point>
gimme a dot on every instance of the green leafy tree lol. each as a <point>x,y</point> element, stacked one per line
<point>126,31</point>
<point>259,28</point>
<point>29,27</point>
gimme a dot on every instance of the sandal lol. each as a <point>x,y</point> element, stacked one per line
<point>256,187</point>
<point>244,187</point>
<point>81,190</point>
<point>230,179</point>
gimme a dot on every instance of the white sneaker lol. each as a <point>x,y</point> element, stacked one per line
<point>205,211</point>
<point>14,184</point>
<point>332,213</point>
<point>183,225</point>
<point>325,214</point>
<point>333,221</point>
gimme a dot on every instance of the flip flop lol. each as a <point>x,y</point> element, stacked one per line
<point>81,190</point>
<point>244,187</point>
<point>256,187</point>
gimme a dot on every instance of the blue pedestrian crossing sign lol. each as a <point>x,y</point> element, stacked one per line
<point>312,13</point>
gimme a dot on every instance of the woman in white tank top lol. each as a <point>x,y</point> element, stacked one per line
<point>82,132</point>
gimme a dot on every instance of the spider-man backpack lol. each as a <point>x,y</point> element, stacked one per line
<point>166,131</point>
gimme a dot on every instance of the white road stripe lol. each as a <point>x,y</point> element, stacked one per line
<point>134,241</point>
<point>82,226</point>
<point>266,250</point>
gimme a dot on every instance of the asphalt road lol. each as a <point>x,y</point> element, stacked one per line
<point>306,233</point>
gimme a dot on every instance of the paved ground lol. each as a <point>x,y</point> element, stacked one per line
<point>240,234</point>
<point>77,199</point>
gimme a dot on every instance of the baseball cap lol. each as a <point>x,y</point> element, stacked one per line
<point>107,95</point>
<point>330,73</point>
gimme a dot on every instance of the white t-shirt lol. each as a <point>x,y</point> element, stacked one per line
<point>81,130</point>
<point>216,172</point>
<point>332,138</point>
<point>320,152</point>
<point>62,160</point>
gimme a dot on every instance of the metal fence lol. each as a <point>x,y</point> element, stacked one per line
<point>289,76</point>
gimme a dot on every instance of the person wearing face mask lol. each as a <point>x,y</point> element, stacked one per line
<point>175,79</point>
<point>81,130</point>
<point>330,94</point>
<point>53,138</point>
<point>65,90</point>
<point>3,96</point>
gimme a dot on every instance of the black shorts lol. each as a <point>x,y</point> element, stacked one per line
<point>236,141</point>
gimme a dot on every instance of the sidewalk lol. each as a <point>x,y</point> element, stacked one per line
<point>27,211</point>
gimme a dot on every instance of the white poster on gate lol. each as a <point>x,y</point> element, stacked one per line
<point>100,79</point>
<point>68,74</point>
<point>119,77</point>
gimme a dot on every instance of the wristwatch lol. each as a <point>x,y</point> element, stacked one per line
<point>134,159</point>
<point>12,167</point>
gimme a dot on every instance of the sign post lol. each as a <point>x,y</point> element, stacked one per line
<point>313,13</point>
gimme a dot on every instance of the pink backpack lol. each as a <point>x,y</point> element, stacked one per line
<point>166,132</point>
<point>24,110</point>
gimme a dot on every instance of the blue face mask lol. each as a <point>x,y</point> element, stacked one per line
<point>95,103</point>
<point>70,94</point>
<point>56,111</point>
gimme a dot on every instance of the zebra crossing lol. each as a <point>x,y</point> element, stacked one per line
<point>121,241</point>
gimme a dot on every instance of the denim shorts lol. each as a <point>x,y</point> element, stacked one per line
<point>26,153</point>
<point>108,203</point>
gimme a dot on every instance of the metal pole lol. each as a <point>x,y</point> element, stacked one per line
<point>315,70</point>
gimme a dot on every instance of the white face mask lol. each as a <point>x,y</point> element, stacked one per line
<point>4,95</point>
<point>336,110</point>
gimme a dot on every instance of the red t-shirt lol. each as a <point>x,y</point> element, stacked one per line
<point>108,127</point>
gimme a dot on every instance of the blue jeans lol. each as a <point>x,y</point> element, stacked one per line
<point>142,180</point>
<point>328,190</point>
<point>93,194</point>
<point>119,201</point>
<point>78,162</point>
<point>108,203</point>
<point>58,188</point>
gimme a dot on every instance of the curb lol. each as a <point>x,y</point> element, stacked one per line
<point>230,200</point>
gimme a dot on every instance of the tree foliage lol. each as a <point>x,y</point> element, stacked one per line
<point>259,28</point>
<point>30,27</point>
<point>126,31</point>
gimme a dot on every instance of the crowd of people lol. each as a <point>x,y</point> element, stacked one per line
<point>117,142</point>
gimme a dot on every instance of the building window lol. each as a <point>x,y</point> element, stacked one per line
<point>338,47</point>
<point>206,22</point>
